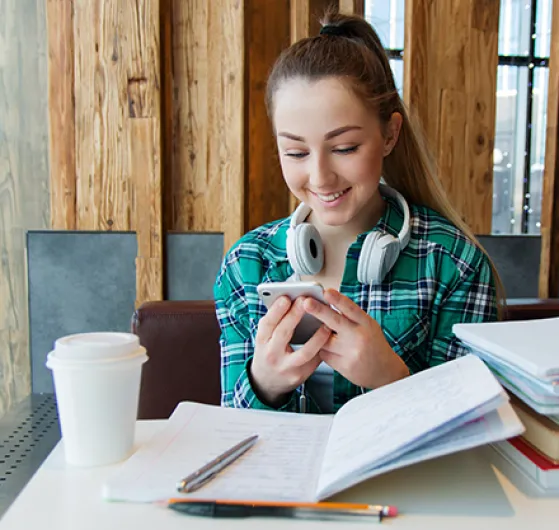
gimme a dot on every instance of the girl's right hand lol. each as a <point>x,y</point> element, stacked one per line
<point>276,369</point>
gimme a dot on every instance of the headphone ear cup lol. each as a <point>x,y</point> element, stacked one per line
<point>305,250</point>
<point>378,255</point>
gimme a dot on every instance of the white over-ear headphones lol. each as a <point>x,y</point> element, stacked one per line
<point>380,251</point>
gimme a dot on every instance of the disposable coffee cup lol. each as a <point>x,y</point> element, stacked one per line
<point>97,385</point>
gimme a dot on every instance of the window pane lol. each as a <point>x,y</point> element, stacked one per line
<point>387,17</point>
<point>397,66</point>
<point>537,159</point>
<point>514,27</point>
<point>510,145</point>
<point>543,27</point>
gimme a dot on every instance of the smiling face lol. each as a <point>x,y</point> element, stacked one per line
<point>331,149</point>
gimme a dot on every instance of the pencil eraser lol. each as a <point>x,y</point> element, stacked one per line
<point>390,511</point>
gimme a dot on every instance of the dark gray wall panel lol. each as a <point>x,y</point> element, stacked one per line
<point>517,258</point>
<point>193,261</point>
<point>78,282</point>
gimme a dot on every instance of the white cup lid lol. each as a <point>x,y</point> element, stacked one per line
<point>96,346</point>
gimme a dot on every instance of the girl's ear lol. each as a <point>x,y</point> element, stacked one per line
<point>392,132</point>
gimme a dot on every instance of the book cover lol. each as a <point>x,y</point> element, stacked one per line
<point>541,431</point>
<point>528,345</point>
<point>530,463</point>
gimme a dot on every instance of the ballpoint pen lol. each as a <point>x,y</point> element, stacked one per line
<point>207,472</point>
<point>304,510</point>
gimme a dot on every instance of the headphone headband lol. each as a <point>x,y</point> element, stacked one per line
<point>404,233</point>
<point>300,214</point>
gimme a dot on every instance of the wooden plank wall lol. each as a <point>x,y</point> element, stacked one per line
<point>352,7</point>
<point>267,33</point>
<point>549,268</point>
<point>205,190</point>
<point>450,84</point>
<point>24,187</point>
<point>105,121</point>
<point>217,152</point>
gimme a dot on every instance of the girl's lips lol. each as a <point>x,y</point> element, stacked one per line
<point>321,196</point>
<point>331,203</point>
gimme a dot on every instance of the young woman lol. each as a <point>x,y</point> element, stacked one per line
<point>398,264</point>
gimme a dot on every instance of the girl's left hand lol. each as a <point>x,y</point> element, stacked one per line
<point>358,350</point>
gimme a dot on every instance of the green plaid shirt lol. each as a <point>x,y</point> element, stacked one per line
<point>440,278</point>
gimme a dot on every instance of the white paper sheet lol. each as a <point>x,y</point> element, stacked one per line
<point>283,464</point>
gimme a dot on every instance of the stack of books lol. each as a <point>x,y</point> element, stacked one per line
<point>524,357</point>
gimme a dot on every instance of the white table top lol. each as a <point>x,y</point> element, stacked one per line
<point>460,491</point>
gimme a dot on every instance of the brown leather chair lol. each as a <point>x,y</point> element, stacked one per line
<point>182,340</point>
<point>531,308</point>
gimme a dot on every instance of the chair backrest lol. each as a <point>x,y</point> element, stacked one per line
<point>182,342</point>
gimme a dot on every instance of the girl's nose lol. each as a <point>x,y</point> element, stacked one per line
<point>320,172</point>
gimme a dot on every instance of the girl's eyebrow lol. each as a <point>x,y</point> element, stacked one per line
<point>327,136</point>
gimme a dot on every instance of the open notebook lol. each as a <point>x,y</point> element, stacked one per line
<point>307,457</point>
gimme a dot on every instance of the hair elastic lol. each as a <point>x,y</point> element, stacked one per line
<point>332,30</point>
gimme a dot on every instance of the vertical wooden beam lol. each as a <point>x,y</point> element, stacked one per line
<point>145,148</point>
<point>481,90</point>
<point>457,105</point>
<point>305,17</point>
<point>266,35</point>
<point>352,7</point>
<point>60,27</point>
<point>549,262</point>
<point>116,50</point>
<point>226,112</point>
<point>145,165</point>
<point>167,111</point>
<point>208,182</point>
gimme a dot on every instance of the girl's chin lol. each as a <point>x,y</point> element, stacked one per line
<point>329,218</point>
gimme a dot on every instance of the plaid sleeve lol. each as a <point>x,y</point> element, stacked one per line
<point>472,300</point>
<point>236,341</point>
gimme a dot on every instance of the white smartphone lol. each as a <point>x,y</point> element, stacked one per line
<point>270,292</point>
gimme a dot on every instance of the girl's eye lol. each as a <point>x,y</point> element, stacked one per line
<point>298,154</point>
<point>346,150</point>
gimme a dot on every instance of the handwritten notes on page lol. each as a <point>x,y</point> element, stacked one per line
<point>283,464</point>
<point>380,426</point>
<point>496,425</point>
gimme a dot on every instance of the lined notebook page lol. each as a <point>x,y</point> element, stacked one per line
<point>497,425</point>
<point>282,465</point>
<point>382,425</point>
